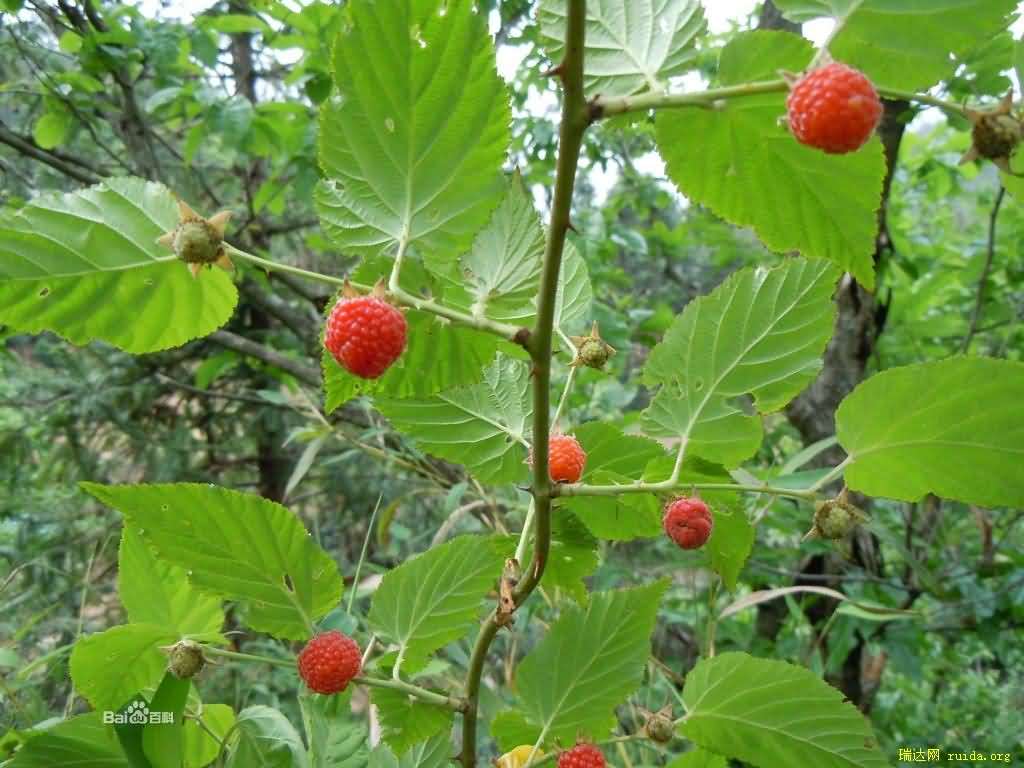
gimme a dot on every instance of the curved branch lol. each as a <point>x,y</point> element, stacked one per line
<point>990,252</point>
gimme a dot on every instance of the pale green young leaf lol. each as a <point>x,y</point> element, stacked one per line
<point>199,746</point>
<point>155,592</point>
<point>435,597</point>
<point>413,142</point>
<point>406,721</point>
<point>236,545</point>
<point>265,738</point>
<point>91,742</point>
<point>752,172</point>
<point>500,275</point>
<point>954,428</point>
<point>630,47</point>
<point>873,36</point>
<point>438,356</point>
<point>588,663</point>
<point>771,714</point>
<point>761,333</point>
<point>51,129</point>
<point>483,426</point>
<point>110,667</point>
<point>82,264</point>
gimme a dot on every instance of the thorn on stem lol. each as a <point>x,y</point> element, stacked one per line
<point>558,71</point>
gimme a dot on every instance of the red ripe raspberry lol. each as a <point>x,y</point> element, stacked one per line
<point>566,459</point>
<point>834,108</point>
<point>581,756</point>
<point>366,335</point>
<point>688,522</point>
<point>329,661</point>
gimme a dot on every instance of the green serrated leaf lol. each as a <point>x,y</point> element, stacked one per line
<point>500,275</point>
<point>266,739</point>
<point>588,663</point>
<point>630,46</point>
<point>79,264</point>
<point>434,598</point>
<point>732,538</point>
<point>156,592</point>
<point>110,667</point>
<point>236,545</point>
<point>436,753</point>
<point>760,333</point>
<point>921,429</point>
<point>85,736</point>
<point>873,34</point>
<point>406,721</point>
<point>752,172</point>
<point>414,144</point>
<point>200,747</point>
<point>482,426</point>
<point>511,729</point>
<point>439,356</point>
<point>773,715</point>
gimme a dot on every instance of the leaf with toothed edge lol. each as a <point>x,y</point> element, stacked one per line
<point>87,266</point>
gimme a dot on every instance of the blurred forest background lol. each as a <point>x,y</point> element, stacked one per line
<point>222,107</point>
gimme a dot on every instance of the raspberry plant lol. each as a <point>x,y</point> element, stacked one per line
<point>413,145</point>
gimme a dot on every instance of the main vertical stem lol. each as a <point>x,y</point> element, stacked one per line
<point>574,122</point>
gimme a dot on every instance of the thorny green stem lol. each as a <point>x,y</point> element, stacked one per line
<point>427,696</point>
<point>504,330</point>
<point>712,97</point>
<point>574,121</point>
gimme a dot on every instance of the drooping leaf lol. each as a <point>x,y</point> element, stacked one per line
<point>588,663</point>
<point>483,426</point>
<point>434,598</point>
<point>574,294</point>
<point>335,739</point>
<point>629,47</point>
<point>110,667</point>
<point>84,737</point>
<point>236,545</point>
<point>732,538</point>
<point>771,714</point>
<point>164,742</point>
<point>436,753</point>
<point>761,333</point>
<point>267,739</point>
<point>87,266</point>
<point>752,172</point>
<point>406,721</point>
<point>873,35</point>
<point>414,141</point>
<point>156,592</point>
<point>954,428</point>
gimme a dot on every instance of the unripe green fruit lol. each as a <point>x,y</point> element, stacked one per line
<point>594,353</point>
<point>186,659</point>
<point>196,242</point>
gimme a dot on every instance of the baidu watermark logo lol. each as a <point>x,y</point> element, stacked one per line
<point>137,713</point>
